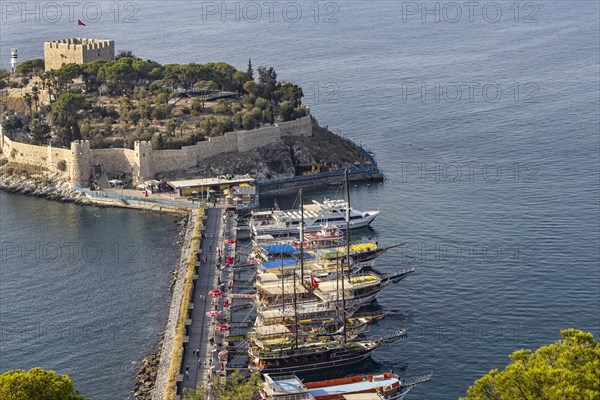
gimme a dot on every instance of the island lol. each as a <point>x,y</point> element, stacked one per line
<point>83,117</point>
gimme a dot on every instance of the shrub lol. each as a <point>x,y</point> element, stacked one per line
<point>61,165</point>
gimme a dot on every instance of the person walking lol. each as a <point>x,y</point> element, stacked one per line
<point>187,371</point>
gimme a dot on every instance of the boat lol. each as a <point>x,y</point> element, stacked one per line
<point>331,212</point>
<point>358,289</point>
<point>310,356</point>
<point>386,386</point>
<point>299,354</point>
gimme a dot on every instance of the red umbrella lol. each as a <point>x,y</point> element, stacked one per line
<point>222,328</point>
<point>214,293</point>
<point>230,241</point>
<point>212,313</point>
<point>228,260</point>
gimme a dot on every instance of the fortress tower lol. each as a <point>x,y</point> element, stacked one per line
<point>77,51</point>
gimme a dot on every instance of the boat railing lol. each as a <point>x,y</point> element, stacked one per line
<point>417,380</point>
<point>301,396</point>
<point>277,378</point>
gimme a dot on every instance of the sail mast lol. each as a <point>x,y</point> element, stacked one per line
<point>347,251</point>
<point>295,312</point>
<point>282,291</point>
<point>301,236</point>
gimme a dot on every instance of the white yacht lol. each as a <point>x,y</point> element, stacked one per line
<point>287,222</point>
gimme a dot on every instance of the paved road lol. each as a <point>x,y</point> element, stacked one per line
<point>200,330</point>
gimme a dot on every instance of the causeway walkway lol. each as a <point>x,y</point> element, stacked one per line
<point>200,329</point>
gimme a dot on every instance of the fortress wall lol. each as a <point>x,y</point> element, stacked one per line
<point>250,140</point>
<point>143,162</point>
<point>169,160</point>
<point>39,156</point>
<point>115,161</point>
<point>298,127</point>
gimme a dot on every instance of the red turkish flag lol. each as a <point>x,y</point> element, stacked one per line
<point>314,282</point>
<point>80,23</point>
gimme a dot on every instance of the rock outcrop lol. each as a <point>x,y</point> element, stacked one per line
<point>39,183</point>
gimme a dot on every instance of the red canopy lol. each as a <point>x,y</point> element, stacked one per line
<point>228,260</point>
<point>230,241</point>
<point>212,313</point>
<point>222,327</point>
<point>214,293</point>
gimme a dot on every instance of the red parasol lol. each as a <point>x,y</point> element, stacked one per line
<point>230,241</point>
<point>212,313</point>
<point>222,328</point>
<point>214,293</point>
<point>228,260</point>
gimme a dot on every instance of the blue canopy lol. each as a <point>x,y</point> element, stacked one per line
<point>274,249</point>
<point>287,262</point>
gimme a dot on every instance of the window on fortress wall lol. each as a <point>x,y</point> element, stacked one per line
<point>98,53</point>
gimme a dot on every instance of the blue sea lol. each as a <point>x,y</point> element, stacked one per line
<point>485,119</point>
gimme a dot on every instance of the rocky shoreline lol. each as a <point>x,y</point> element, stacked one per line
<point>44,184</point>
<point>145,381</point>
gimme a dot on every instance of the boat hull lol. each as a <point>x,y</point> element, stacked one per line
<point>293,230</point>
<point>287,366</point>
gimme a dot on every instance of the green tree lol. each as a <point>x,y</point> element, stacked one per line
<point>172,125</point>
<point>567,369</point>
<point>261,103</point>
<point>235,387</point>
<point>251,119</point>
<point>39,131</point>
<point>221,107</point>
<point>267,79</point>
<point>250,71</point>
<point>34,66</point>
<point>12,123</point>
<point>251,87</point>
<point>290,92</point>
<point>161,98</point>
<point>268,116</point>
<point>68,104</point>
<point>28,100</point>
<point>158,142</point>
<point>37,384</point>
<point>287,110</point>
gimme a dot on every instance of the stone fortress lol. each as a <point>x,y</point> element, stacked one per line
<point>77,51</point>
<point>143,163</point>
<point>80,162</point>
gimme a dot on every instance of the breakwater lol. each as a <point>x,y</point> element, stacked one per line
<point>291,185</point>
<point>172,348</point>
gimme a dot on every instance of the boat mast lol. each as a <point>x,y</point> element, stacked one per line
<point>301,265</point>
<point>337,286</point>
<point>347,222</point>
<point>301,236</point>
<point>295,312</point>
<point>282,291</point>
<point>347,251</point>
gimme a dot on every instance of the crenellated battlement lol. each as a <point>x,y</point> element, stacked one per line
<point>77,51</point>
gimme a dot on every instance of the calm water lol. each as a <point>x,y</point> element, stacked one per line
<point>488,133</point>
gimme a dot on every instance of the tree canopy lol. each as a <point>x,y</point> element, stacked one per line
<point>37,384</point>
<point>30,66</point>
<point>235,387</point>
<point>567,369</point>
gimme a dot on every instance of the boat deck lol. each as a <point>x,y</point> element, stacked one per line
<point>352,387</point>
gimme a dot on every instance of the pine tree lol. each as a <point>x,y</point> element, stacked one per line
<point>250,71</point>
